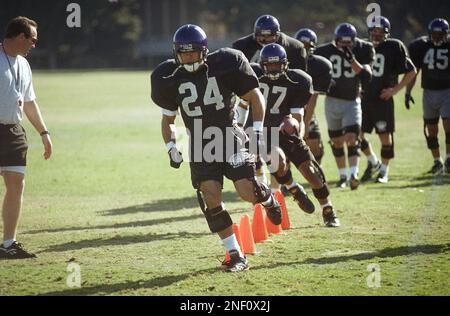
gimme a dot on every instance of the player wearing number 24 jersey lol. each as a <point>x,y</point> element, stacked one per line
<point>203,87</point>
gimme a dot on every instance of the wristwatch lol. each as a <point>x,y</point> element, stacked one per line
<point>45,133</point>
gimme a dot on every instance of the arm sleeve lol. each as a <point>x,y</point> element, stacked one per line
<point>416,57</point>
<point>29,94</point>
<point>403,63</point>
<point>162,96</point>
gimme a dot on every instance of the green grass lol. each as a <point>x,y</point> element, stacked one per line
<point>109,201</point>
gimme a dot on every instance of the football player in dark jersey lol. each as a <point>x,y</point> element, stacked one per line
<point>391,60</point>
<point>266,31</point>
<point>287,91</point>
<point>431,54</point>
<point>319,68</point>
<point>351,58</point>
<point>203,87</point>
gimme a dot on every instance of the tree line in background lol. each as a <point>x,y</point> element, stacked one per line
<point>111,30</point>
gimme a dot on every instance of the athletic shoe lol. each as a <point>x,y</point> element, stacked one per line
<point>15,251</point>
<point>330,218</point>
<point>236,263</point>
<point>354,182</point>
<point>437,168</point>
<point>447,166</point>
<point>370,171</point>
<point>302,199</point>
<point>342,183</point>
<point>382,178</point>
<point>274,212</point>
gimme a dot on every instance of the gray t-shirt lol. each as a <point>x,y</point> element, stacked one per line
<point>16,87</point>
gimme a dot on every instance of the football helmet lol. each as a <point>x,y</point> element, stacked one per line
<point>379,23</point>
<point>190,38</point>
<point>266,30</point>
<point>309,38</point>
<point>438,31</point>
<point>274,61</point>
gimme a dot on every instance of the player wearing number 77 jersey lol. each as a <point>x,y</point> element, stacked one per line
<point>203,86</point>
<point>391,59</point>
<point>431,55</point>
<point>351,58</point>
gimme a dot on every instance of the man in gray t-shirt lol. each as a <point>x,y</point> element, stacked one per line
<point>16,97</point>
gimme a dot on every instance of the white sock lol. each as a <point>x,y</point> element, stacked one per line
<point>9,242</point>
<point>354,170</point>
<point>262,179</point>
<point>292,185</point>
<point>384,169</point>
<point>231,243</point>
<point>438,159</point>
<point>326,205</point>
<point>268,202</point>
<point>373,159</point>
<point>343,172</point>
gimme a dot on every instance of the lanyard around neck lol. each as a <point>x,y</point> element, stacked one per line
<point>16,78</point>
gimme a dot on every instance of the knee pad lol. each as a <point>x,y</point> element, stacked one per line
<point>337,152</point>
<point>432,142</point>
<point>284,179</point>
<point>354,129</point>
<point>364,144</point>
<point>262,191</point>
<point>353,151</point>
<point>322,193</point>
<point>321,152</point>
<point>218,219</point>
<point>447,138</point>
<point>387,152</point>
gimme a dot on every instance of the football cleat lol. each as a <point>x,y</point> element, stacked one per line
<point>302,199</point>
<point>342,183</point>
<point>330,218</point>
<point>382,178</point>
<point>274,212</point>
<point>370,171</point>
<point>438,168</point>
<point>447,166</point>
<point>354,182</point>
<point>15,251</point>
<point>236,263</point>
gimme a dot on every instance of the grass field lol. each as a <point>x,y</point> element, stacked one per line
<point>109,202</point>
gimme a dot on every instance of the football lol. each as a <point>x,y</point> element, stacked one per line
<point>290,126</point>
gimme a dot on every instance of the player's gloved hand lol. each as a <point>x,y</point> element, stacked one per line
<point>408,98</point>
<point>348,54</point>
<point>175,155</point>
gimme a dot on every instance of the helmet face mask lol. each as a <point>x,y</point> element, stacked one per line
<point>438,31</point>
<point>274,61</point>
<point>379,29</point>
<point>266,30</point>
<point>190,47</point>
<point>309,38</point>
<point>345,35</point>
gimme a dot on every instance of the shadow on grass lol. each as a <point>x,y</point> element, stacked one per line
<point>384,253</point>
<point>424,181</point>
<point>121,241</point>
<point>158,282</point>
<point>164,281</point>
<point>167,205</point>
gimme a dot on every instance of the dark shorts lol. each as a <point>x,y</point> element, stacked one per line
<point>297,152</point>
<point>13,145</point>
<point>314,130</point>
<point>378,116</point>
<point>240,166</point>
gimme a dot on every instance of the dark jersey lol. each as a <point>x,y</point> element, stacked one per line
<point>347,83</point>
<point>284,96</point>
<point>207,95</point>
<point>320,69</point>
<point>391,60</point>
<point>295,49</point>
<point>433,61</point>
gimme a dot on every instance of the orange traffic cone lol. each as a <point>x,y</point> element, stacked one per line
<point>248,242</point>
<point>273,229</point>
<point>239,240</point>
<point>259,228</point>
<point>285,222</point>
